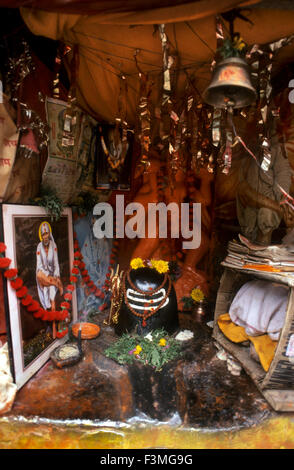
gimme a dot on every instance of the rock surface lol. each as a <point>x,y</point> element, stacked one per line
<point>197,386</point>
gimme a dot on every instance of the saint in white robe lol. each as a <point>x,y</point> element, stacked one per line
<point>49,265</point>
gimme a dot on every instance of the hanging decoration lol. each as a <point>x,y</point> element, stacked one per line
<point>18,69</point>
<point>229,89</point>
<point>144,115</point>
<point>33,129</point>
<point>70,115</point>
<point>261,60</point>
<point>116,148</point>
<point>230,85</point>
<point>197,136</point>
<point>62,51</point>
<point>171,133</point>
<point>288,199</point>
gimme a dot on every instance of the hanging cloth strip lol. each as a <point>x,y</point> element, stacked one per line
<point>287,198</point>
<point>62,51</point>
<point>261,60</point>
<point>70,115</point>
<point>144,114</point>
<point>172,123</point>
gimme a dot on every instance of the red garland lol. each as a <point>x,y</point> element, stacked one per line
<point>4,262</point>
<point>62,333</point>
<point>65,305</point>
<point>34,306</point>
<point>22,292</point>
<point>16,283</point>
<point>3,247</point>
<point>11,273</point>
<point>27,300</point>
<point>79,267</point>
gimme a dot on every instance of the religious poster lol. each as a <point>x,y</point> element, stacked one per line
<point>61,166</point>
<point>96,255</point>
<point>85,174</point>
<point>41,250</point>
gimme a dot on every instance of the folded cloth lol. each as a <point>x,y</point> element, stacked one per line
<point>264,345</point>
<point>260,307</point>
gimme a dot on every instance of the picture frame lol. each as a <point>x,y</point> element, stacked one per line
<point>31,339</point>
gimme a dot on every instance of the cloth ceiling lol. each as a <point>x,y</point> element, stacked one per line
<point>110,33</point>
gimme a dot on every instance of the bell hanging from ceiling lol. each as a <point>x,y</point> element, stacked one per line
<point>231,85</point>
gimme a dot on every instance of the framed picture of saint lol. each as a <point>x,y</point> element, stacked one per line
<point>41,250</point>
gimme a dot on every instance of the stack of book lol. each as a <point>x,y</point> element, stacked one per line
<point>247,255</point>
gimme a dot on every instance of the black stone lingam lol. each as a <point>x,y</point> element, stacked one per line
<point>149,303</point>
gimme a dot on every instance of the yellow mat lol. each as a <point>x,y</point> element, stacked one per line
<point>264,345</point>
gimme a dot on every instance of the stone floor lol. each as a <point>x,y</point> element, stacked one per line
<point>194,394</point>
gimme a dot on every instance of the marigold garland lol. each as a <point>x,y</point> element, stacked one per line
<point>27,300</point>
<point>79,267</point>
<point>2,247</point>
<point>4,262</point>
<point>11,273</point>
<point>17,283</point>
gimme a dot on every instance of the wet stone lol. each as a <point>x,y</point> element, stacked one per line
<point>197,386</point>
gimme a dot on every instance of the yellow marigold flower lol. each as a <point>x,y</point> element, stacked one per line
<point>137,350</point>
<point>160,265</point>
<point>162,342</point>
<point>137,263</point>
<point>239,43</point>
<point>197,295</point>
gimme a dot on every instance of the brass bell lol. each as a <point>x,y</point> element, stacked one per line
<point>231,85</point>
